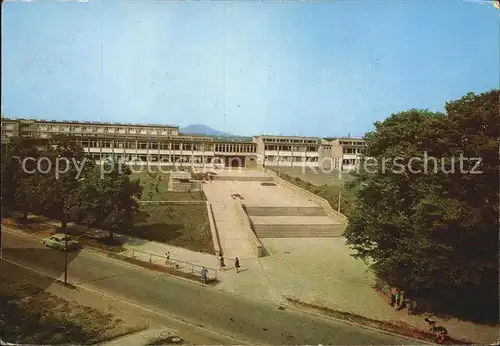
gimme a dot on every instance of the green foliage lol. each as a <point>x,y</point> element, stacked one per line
<point>67,185</point>
<point>329,192</point>
<point>434,234</point>
<point>19,188</point>
<point>61,188</point>
<point>108,201</point>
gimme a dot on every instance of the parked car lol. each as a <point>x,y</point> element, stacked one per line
<point>58,242</point>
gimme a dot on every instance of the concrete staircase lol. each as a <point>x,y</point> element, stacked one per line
<point>255,210</point>
<point>296,226</point>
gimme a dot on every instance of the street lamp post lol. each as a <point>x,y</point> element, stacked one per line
<point>65,247</point>
<point>340,197</point>
<point>65,215</point>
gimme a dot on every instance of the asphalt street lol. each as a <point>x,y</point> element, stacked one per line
<point>247,319</point>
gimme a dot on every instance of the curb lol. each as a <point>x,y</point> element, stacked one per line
<point>111,255</point>
<point>355,324</point>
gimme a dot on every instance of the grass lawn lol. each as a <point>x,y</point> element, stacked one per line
<point>315,176</point>
<point>155,185</point>
<point>184,225</point>
<point>330,192</point>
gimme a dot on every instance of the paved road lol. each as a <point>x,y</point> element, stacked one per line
<point>243,318</point>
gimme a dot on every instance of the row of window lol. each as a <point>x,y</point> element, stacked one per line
<point>290,148</point>
<point>157,158</point>
<point>352,150</point>
<point>146,145</point>
<point>356,143</point>
<point>350,162</point>
<point>234,148</point>
<point>281,140</point>
<point>291,159</point>
<point>99,129</point>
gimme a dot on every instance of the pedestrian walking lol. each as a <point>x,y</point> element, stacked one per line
<point>409,306</point>
<point>204,273</point>
<point>393,296</point>
<point>222,265</point>
<point>237,265</point>
<point>397,299</point>
<point>167,258</point>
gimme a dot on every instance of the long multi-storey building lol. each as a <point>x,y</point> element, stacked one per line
<point>163,144</point>
<point>49,128</point>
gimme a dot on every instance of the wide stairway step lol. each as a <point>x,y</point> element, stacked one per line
<point>296,227</point>
<point>241,178</point>
<point>259,210</point>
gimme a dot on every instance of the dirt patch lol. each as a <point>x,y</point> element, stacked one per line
<point>31,315</point>
<point>106,244</point>
<point>33,227</point>
<point>396,327</point>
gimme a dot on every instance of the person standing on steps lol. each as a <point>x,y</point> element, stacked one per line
<point>237,265</point>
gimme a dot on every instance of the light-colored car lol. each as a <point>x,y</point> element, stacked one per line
<point>58,242</point>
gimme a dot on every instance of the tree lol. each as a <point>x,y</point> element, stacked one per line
<point>20,189</point>
<point>433,232</point>
<point>108,200</point>
<point>66,164</point>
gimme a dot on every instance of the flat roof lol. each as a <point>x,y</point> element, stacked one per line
<point>79,122</point>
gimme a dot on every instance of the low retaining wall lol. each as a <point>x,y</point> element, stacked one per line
<point>172,202</point>
<point>213,229</point>
<point>309,195</point>
<point>256,244</point>
<point>177,186</point>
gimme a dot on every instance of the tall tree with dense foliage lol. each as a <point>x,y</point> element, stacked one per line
<point>108,198</point>
<point>431,226</point>
<point>19,186</point>
<point>65,167</point>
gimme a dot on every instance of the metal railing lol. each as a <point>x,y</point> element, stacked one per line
<point>176,264</point>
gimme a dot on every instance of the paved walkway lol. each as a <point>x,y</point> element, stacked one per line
<point>234,240</point>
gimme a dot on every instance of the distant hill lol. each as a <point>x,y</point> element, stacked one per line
<point>203,130</point>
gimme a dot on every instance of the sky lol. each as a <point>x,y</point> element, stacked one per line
<point>248,68</point>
